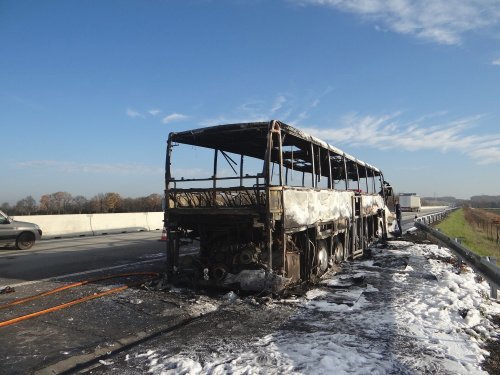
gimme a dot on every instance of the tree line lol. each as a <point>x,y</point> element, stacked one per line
<point>485,201</point>
<point>63,202</point>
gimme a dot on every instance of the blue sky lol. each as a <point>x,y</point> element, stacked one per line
<point>89,90</point>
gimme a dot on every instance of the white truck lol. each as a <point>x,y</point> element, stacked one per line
<point>409,202</point>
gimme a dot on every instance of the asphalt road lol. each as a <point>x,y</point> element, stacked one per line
<point>52,258</point>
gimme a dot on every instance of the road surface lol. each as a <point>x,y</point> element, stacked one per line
<point>52,258</point>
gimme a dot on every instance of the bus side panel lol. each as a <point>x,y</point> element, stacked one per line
<point>306,207</point>
<point>372,203</point>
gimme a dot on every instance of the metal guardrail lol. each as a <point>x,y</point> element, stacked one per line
<point>485,266</point>
<point>435,217</point>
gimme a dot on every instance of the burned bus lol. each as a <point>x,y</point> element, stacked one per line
<point>272,207</point>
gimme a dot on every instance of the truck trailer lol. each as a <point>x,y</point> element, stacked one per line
<point>409,202</point>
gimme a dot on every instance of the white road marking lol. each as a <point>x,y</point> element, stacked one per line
<point>81,273</point>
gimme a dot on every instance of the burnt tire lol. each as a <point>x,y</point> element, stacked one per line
<point>321,258</point>
<point>25,241</point>
<point>338,251</point>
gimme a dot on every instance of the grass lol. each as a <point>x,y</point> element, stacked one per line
<point>455,225</point>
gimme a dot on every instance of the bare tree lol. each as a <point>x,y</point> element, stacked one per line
<point>112,202</point>
<point>153,203</point>
<point>80,204</point>
<point>6,207</point>
<point>97,203</point>
<point>46,204</point>
<point>26,206</point>
<point>62,200</point>
<point>55,203</point>
<point>130,205</point>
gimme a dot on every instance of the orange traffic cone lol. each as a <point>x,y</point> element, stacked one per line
<point>163,234</point>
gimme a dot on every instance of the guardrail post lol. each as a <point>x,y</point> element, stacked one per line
<point>493,288</point>
<point>459,258</point>
<point>459,264</point>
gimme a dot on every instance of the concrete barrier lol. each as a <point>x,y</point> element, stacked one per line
<point>155,220</point>
<point>54,226</point>
<point>123,222</point>
<point>60,225</point>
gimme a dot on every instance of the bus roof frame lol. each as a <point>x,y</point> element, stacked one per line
<point>250,139</point>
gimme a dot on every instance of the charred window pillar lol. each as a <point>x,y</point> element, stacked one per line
<point>172,249</point>
<point>357,176</point>
<point>331,184</point>
<point>313,170</point>
<point>214,193</point>
<point>267,177</point>
<point>318,172</point>
<point>241,169</point>
<point>366,179</point>
<point>345,173</point>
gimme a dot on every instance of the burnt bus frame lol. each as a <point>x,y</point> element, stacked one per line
<point>268,203</point>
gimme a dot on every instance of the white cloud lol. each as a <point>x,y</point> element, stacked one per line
<point>99,168</point>
<point>278,103</point>
<point>283,107</point>
<point>299,118</point>
<point>389,132</point>
<point>433,131</point>
<point>315,103</point>
<point>214,121</point>
<point>133,114</point>
<point>441,21</point>
<point>174,117</point>
<point>496,62</point>
<point>251,106</point>
<point>234,119</point>
<point>253,111</point>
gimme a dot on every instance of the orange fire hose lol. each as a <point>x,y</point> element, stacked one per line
<point>73,285</point>
<point>71,303</point>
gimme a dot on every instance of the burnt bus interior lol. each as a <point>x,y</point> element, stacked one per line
<point>246,211</point>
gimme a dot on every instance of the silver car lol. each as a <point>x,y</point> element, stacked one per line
<point>20,233</point>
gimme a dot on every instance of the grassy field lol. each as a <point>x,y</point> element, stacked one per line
<point>455,225</point>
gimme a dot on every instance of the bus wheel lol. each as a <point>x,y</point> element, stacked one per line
<point>338,251</point>
<point>321,258</point>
